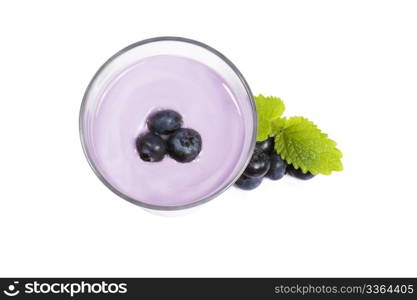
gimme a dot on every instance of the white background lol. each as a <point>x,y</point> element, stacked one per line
<point>350,66</point>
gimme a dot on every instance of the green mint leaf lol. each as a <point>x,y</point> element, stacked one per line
<point>277,125</point>
<point>264,129</point>
<point>268,109</point>
<point>302,144</point>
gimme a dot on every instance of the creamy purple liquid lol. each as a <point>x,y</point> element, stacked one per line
<point>207,105</point>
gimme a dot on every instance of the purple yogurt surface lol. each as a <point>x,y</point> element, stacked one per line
<point>207,105</point>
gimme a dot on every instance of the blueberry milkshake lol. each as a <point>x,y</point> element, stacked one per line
<point>168,131</point>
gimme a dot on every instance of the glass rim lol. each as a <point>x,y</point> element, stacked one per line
<point>139,202</point>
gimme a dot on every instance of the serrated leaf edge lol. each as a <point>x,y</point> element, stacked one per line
<point>296,166</point>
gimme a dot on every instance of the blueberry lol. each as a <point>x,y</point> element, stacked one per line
<point>164,122</point>
<point>258,165</point>
<point>248,183</point>
<point>297,173</point>
<point>278,167</point>
<point>151,147</point>
<point>266,146</point>
<point>184,144</point>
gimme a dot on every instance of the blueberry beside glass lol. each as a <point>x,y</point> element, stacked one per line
<point>258,165</point>
<point>278,167</point>
<point>297,173</point>
<point>266,162</point>
<point>248,183</point>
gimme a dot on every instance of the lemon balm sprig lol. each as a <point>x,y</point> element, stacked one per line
<point>297,140</point>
